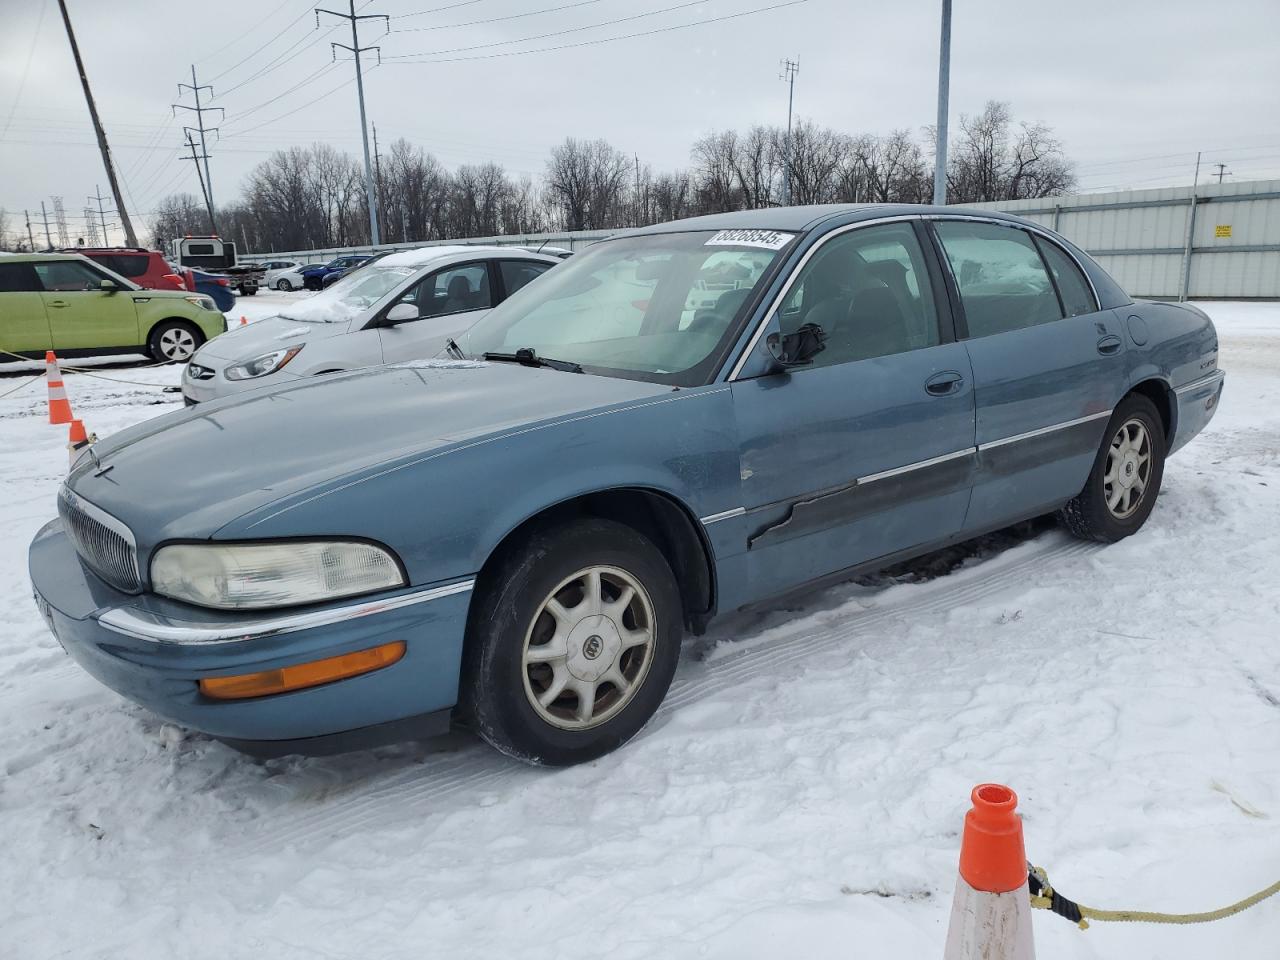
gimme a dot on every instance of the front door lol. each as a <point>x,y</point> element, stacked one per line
<point>81,315</point>
<point>869,450</point>
<point>1048,367</point>
<point>448,302</point>
<point>24,328</point>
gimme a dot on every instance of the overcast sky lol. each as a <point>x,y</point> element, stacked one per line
<point>1132,87</point>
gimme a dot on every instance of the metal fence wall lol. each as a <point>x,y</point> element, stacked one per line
<point>1161,244</point>
<point>1164,244</point>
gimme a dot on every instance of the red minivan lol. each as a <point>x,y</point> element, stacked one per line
<point>146,268</point>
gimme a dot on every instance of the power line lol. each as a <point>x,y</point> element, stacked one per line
<point>257,51</point>
<point>510,16</point>
<point>553,33</point>
<point>22,83</point>
<point>327,68</point>
<point>424,13</point>
<point>625,36</point>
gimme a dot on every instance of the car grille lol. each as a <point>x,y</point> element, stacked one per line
<point>103,542</point>
<point>197,372</point>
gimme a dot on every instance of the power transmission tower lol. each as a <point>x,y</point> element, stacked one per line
<point>91,228</point>
<point>356,50</point>
<point>789,70</point>
<point>60,220</point>
<point>45,214</point>
<point>200,111</point>
<point>1222,171</point>
<point>102,216</point>
<point>130,238</point>
<point>944,95</point>
<point>204,192</point>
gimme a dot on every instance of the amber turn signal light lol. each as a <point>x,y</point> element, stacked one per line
<point>302,675</point>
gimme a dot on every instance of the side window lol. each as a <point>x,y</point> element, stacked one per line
<point>869,291</point>
<point>67,275</point>
<point>1002,280</point>
<point>517,273</point>
<point>451,291</point>
<point>18,278</point>
<point>1077,295</point>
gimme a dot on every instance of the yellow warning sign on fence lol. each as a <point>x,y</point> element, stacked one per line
<point>1222,230</point>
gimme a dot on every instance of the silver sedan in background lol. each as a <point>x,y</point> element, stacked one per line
<point>406,306</point>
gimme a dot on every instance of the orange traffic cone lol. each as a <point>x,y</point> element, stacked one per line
<point>244,321</point>
<point>991,913</point>
<point>78,440</point>
<point>59,405</point>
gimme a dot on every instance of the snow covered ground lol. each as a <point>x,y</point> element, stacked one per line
<point>800,794</point>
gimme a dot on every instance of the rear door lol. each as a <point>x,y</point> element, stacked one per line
<point>1048,366</point>
<point>24,327</point>
<point>869,450</point>
<point>448,301</point>
<point>81,315</point>
<point>516,274</point>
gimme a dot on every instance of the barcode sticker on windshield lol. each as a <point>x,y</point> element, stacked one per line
<point>769,239</point>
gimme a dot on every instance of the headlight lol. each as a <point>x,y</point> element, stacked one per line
<point>237,576</point>
<point>261,366</point>
<point>205,303</point>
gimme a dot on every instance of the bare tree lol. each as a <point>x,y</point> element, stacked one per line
<point>177,215</point>
<point>587,184</point>
<point>993,161</point>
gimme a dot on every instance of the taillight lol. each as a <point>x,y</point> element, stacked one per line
<point>223,282</point>
<point>175,280</point>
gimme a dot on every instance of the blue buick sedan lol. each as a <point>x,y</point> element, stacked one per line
<point>678,422</point>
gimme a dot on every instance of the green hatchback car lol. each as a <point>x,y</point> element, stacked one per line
<point>75,307</point>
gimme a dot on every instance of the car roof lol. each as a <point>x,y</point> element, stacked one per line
<point>800,219</point>
<point>41,257</point>
<point>422,256</point>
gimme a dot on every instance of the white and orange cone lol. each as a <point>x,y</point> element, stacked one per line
<point>78,440</point>
<point>991,913</point>
<point>244,321</point>
<point>59,405</point>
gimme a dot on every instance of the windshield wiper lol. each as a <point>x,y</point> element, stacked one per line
<point>526,356</point>
<point>451,347</point>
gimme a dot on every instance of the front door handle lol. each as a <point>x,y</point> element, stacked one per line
<point>943,384</point>
<point>57,303</point>
<point>1109,344</point>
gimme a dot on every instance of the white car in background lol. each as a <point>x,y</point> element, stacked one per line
<point>282,274</point>
<point>405,306</point>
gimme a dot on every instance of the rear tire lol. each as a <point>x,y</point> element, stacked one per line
<point>174,341</point>
<point>1125,480</point>
<point>283,285</point>
<point>572,642</point>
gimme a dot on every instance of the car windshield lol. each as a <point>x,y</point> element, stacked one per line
<point>659,307</point>
<point>353,295</point>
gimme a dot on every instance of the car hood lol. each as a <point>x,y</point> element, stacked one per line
<point>189,473</point>
<point>264,336</point>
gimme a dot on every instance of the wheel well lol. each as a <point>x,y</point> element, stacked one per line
<point>664,521</point>
<point>1159,394</point>
<point>182,321</point>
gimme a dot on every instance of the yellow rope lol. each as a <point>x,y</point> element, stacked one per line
<point>1045,902</point>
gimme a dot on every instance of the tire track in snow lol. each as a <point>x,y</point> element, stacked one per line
<point>422,788</point>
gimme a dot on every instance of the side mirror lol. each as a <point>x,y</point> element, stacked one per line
<point>400,313</point>
<point>797,349</point>
<point>107,286</point>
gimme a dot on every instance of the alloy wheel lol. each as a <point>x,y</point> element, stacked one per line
<point>1128,469</point>
<point>177,344</point>
<point>589,648</point>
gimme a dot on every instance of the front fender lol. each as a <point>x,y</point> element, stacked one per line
<point>445,514</point>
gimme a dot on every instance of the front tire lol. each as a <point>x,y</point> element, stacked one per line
<point>1125,480</point>
<point>174,341</point>
<point>283,285</point>
<point>573,639</point>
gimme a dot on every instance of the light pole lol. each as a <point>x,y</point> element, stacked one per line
<point>944,92</point>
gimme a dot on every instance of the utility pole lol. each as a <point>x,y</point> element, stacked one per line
<point>130,238</point>
<point>48,238</point>
<point>789,70</point>
<point>1222,171</point>
<point>1191,231</point>
<point>377,166</point>
<point>200,111</point>
<point>102,216</point>
<point>196,158</point>
<point>638,218</point>
<point>944,94</point>
<point>30,237</point>
<point>356,50</point>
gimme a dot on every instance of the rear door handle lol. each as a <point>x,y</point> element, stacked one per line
<point>944,383</point>
<point>1109,344</point>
